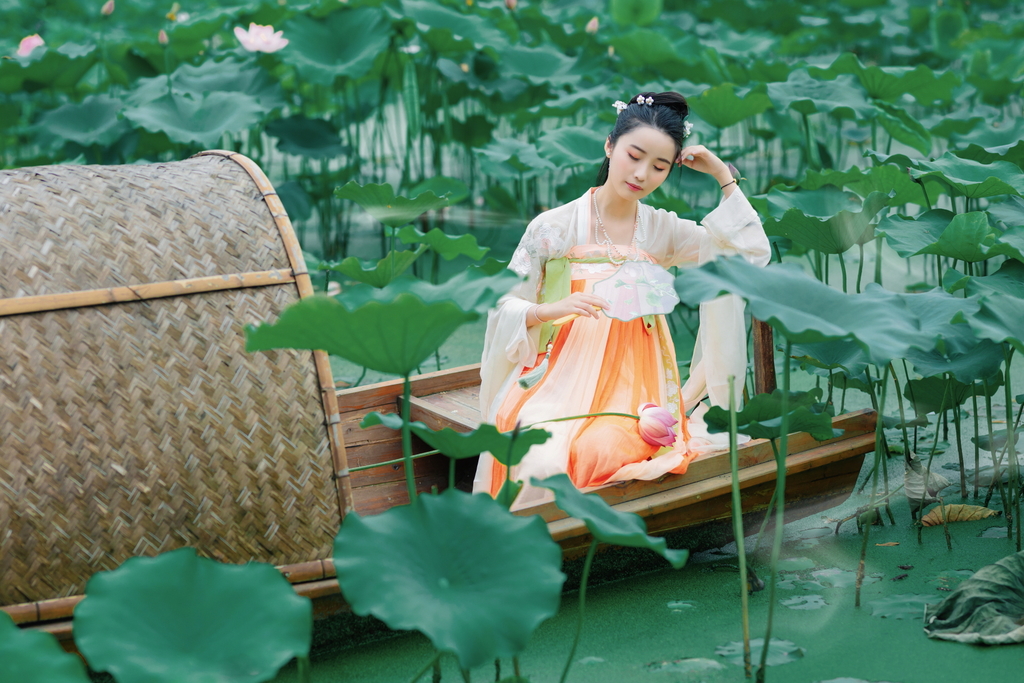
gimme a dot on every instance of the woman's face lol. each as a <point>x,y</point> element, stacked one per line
<point>640,161</point>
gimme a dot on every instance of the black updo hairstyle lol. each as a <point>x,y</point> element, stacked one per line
<point>667,114</point>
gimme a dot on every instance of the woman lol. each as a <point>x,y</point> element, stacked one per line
<point>591,363</point>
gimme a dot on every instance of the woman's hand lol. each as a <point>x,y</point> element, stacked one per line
<point>702,159</point>
<point>577,303</point>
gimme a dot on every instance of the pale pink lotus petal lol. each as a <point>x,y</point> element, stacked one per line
<point>592,26</point>
<point>511,4</point>
<point>29,43</point>
<point>161,37</point>
<point>656,425</point>
<point>108,8</point>
<point>261,38</point>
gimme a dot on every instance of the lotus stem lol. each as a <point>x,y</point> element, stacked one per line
<point>928,469</point>
<point>959,446</point>
<point>1011,438</point>
<point>429,665</point>
<point>899,402</point>
<point>737,526</point>
<point>842,267</point>
<point>860,266</point>
<point>578,417</point>
<point>780,507</point>
<point>410,479</point>
<point>878,260</point>
<point>977,436</point>
<point>392,462</point>
<point>303,666</point>
<point>879,438</point>
<point>465,675</point>
<point>583,603</point>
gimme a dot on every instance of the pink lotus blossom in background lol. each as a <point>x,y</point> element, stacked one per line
<point>511,4</point>
<point>108,8</point>
<point>260,38</point>
<point>656,425</point>
<point>162,37</point>
<point>592,26</point>
<point>29,43</point>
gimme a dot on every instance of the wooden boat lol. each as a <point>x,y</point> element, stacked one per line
<point>155,429</point>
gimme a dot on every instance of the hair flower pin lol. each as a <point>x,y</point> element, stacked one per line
<point>640,99</point>
<point>687,127</point>
<point>620,106</point>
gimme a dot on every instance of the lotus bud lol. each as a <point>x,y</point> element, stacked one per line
<point>29,43</point>
<point>260,38</point>
<point>611,50</point>
<point>592,26</point>
<point>108,8</point>
<point>161,37</point>
<point>464,67</point>
<point>511,4</point>
<point>656,425</point>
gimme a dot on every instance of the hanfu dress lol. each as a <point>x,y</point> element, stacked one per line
<point>605,364</point>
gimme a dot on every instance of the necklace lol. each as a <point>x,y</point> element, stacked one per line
<point>607,241</point>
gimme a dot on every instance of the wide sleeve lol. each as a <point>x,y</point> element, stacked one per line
<point>720,351</point>
<point>509,345</point>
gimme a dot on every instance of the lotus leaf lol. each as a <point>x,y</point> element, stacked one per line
<point>512,158</point>
<point>191,618</point>
<point>911,236</point>
<point>990,144</point>
<point>900,125</point>
<point>393,329</point>
<point>486,438</point>
<point>93,121</point>
<point>539,65</point>
<point>826,219</point>
<point>885,179</point>
<point>832,354</point>
<point>957,513</point>
<point>567,104</point>
<point>1000,319</point>
<point>761,417</point>
<point>197,120</point>
<point>842,97</point>
<point>302,136</point>
<point>508,88</point>
<point>645,47</point>
<point>412,568</point>
<point>906,606</point>
<point>572,145</point>
<point>806,310</point>
<point>381,202</point>
<point>998,440</point>
<point>890,82</point>
<point>962,354</point>
<point>937,394</point>
<point>380,273</point>
<point>802,602</point>
<point>605,523</point>
<point>635,12</point>
<point>987,608</point>
<point>59,68</point>
<point>228,75</point>
<point>448,246</point>
<point>320,57</point>
<point>722,106</point>
<point>449,30</point>
<point>964,177</point>
<point>779,651</point>
<point>441,186</point>
<point>28,656</point>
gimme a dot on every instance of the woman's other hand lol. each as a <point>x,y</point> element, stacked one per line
<point>577,303</point>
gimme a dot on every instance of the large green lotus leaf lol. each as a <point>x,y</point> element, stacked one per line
<point>393,329</point>
<point>93,121</point>
<point>605,523</point>
<point>761,417</point>
<point>567,104</point>
<point>1010,212</point>
<point>448,30</point>
<point>907,606</point>
<point>380,273</point>
<point>986,609</point>
<point>381,203</point>
<point>990,143</point>
<point>60,68</point>
<point>302,136</point>
<point>901,126</point>
<point>35,657</point>
<point>911,236</point>
<point>646,47</point>
<point>441,186</point>
<point>539,65</point>
<point>472,577</point>
<point>1000,319</point>
<point>721,106</point>
<point>936,394</point>
<point>964,177</point>
<point>448,246</point>
<point>890,82</point>
<point>963,354</point>
<point>212,76</point>
<point>1009,280</point>
<point>194,120</point>
<point>842,97</point>
<point>511,158</point>
<point>968,237</point>
<point>846,222</point>
<point>344,43</point>
<point>179,617</point>
<point>1010,244</point>
<point>885,179</point>
<point>635,12</point>
<point>486,438</point>
<point>830,355</point>
<point>572,146</point>
<point>806,310</point>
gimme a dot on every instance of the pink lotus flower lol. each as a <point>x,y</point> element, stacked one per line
<point>161,37</point>
<point>511,4</point>
<point>260,38</point>
<point>29,43</point>
<point>592,26</point>
<point>108,8</point>
<point>656,425</point>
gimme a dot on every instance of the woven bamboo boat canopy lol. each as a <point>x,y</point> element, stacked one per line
<point>132,421</point>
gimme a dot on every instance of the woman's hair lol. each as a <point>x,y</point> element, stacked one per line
<point>667,113</point>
